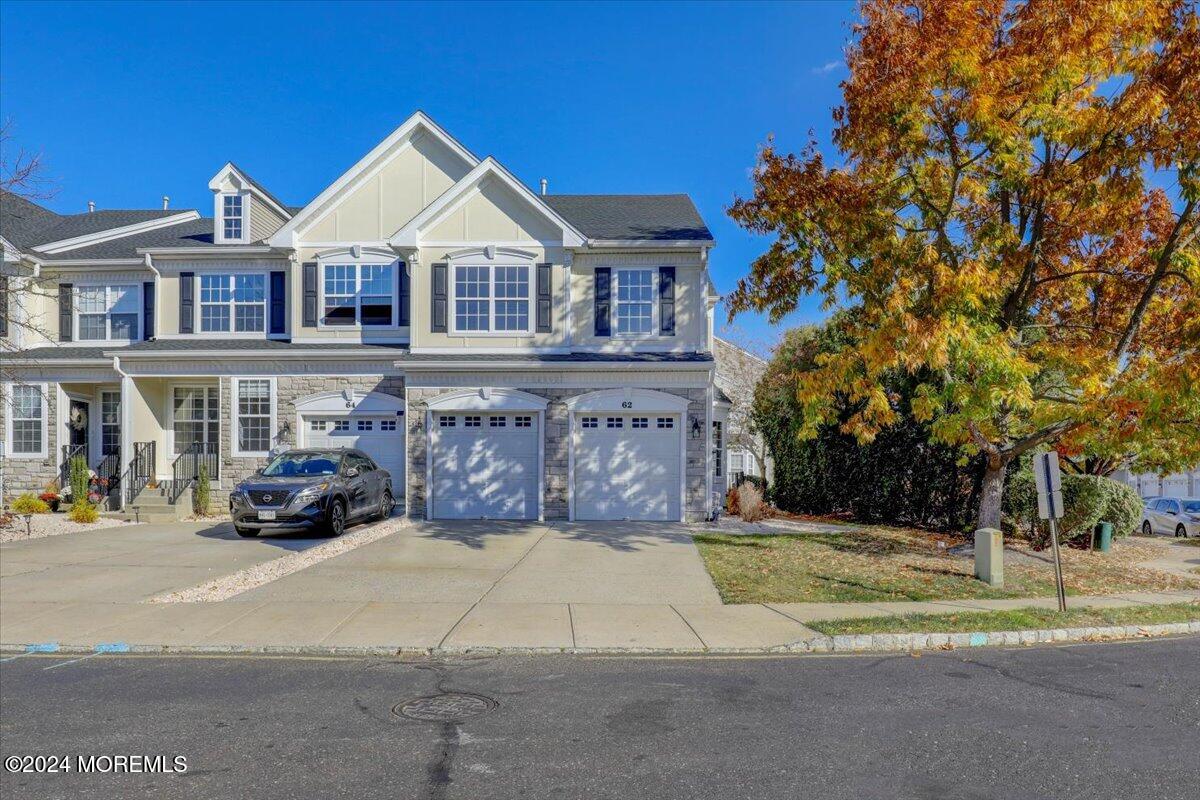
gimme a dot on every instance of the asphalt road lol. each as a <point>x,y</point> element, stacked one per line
<point>1087,721</point>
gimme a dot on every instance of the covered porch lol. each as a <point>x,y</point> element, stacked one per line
<point>174,429</point>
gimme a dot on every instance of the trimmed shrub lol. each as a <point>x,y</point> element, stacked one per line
<point>202,496</point>
<point>79,478</point>
<point>29,503</point>
<point>1085,500</point>
<point>84,512</point>
<point>751,505</point>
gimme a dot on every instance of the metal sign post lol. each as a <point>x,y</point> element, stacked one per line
<point>1050,507</point>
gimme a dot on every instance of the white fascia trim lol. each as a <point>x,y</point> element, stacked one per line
<point>228,169</point>
<point>58,362</point>
<point>84,263</point>
<point>464,190</point>
<point>486,399</point>
<point>223,251</point>
<point>671,244</point>
<point>286,236</point>
<point>553,366</point>
<point>445,351</point>
<point>117,233</point>
<point>176,355</point>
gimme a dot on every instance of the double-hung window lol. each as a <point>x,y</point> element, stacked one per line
<point>233,303</point>
<point>108,312</point>
<point>27,416</point>
<point>491,299</point>
<point>717,447</point>
<point>253,423</point>
<point>634,308</point>
<point>110,422</point>
<point>359,294</point>
<point>232,217</point>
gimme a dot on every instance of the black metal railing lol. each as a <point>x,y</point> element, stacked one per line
<point>69,452</point>
<point>186,469</point>
<point>141,469</point>
<point>108,480</point>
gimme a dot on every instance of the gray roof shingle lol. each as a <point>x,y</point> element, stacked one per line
<point>26,224</point>
<point>196,233</point>
<point>662,217</point>
<point>69,353</point>
<point>21,220</point>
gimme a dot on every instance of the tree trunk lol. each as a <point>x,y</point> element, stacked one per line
<point>992,492</point>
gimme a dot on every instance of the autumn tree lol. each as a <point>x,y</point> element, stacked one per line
<point>1013,212</point>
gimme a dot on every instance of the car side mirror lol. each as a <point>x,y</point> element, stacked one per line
<point>352,472</point>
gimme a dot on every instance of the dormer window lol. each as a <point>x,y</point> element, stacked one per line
<point>232,216</point>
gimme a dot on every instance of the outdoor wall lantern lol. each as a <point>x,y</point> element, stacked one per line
<point>695,427</point>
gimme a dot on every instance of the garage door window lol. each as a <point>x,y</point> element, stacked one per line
<point>472,422</point>
<point>524,422</point>
<point>366,425</point>
<point>341,426</point>
<point>497,422</point>
<point>387,425</point>
<point>446,421</point>
<point>615,422</point>
<point>641,422</point>
<point>317,425</point>
<point>666,422</point>
<point>253,423</point>
<point>591,422</point>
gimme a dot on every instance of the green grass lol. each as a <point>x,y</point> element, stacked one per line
<point>1018,620</point>
<point>868,564</point>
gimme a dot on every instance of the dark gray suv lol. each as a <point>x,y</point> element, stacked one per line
<point>323,490</point>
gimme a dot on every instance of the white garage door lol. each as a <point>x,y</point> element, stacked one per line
<point>381,437</point>
<point>627,466</point>
<point>485,465</point>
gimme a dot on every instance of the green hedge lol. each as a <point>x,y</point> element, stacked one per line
<point>1087,500</point>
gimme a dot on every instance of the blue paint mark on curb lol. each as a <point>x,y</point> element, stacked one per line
<point>44,647</point>
<point>978,639</point>
<point>112,647</point>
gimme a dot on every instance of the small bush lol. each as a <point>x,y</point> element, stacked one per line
<point>79,479</point>
<point>202,496</point>
<point>1122,507</point>
<point>29,503</point>
<point>751,505</point>
<point>731,501</point>
<point>84,512</point>
<point>1085,499</point>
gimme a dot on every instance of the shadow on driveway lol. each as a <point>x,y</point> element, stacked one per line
<point>294,541</point>
<point>620,536</point>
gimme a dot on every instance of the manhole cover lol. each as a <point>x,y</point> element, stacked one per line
<point>448,707</point>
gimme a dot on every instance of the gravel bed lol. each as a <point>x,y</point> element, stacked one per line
<point>244,580</point>
<point>51,524</point>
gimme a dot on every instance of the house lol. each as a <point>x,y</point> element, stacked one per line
<point>505,353</point>
<point>738,372</point>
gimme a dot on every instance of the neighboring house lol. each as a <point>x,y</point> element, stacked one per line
<point>745,451</point>
<point>506,354</point>
<point>1148,484</point>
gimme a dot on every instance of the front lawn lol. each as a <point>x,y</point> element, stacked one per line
<point>878,564</point>
<point>1019,620</point>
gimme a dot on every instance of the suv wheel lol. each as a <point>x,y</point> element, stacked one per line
<point>1181,532</point>
<point>336,522</point>
<point>386,505</point>
<point>1146,529</point>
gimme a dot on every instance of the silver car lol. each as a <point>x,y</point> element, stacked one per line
<point>1179,516</point>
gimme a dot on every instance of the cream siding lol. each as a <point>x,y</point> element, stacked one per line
<point>167,309</point>
<point>264,220</point>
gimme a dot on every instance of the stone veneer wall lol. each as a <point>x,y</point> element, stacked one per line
<point>31,474</point>
<point>288,389</point>
<point>558,442</point>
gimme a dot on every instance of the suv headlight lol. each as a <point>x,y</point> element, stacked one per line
<point>308,495</point>
<point>238,496</point>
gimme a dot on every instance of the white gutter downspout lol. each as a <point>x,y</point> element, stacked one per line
<point>126,420</point>
<point>157,280</point>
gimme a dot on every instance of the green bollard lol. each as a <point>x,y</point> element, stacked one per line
<point>1104,536</point>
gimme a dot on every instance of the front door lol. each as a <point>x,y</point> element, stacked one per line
<point>77,424</point>
<point>197,416</point>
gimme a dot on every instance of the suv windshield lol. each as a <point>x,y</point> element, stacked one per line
<point>290,464</point>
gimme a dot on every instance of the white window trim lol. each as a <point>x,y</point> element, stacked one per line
<point>367,258</point>
<point>615,278</point>
<point>106,285</point>
<point>273,427</point>
<point>6,395</point>
<point>170,415</point>
<point>491,332</point>
<point>198,317</point>
<point>219,200</point>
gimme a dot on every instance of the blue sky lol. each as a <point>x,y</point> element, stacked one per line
<point>128,102</point>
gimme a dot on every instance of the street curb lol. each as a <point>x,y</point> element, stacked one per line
<point>860,643</point>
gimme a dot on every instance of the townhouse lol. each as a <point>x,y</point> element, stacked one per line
<point>505,353</point>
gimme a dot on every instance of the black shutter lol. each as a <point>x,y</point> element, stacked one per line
<point>543,299</point>
<point>402,295</point>
<point>187,285</point>
<point>3,305</point>
<point>148,310</point>
<point>310,295</point>
<point>66,303</point>
<point>666,301</point>
<point>278,302</point>
<point>603,303</point>
<point>439,300</point>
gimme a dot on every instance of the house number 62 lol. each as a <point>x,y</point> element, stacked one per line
<point>627,404</point>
